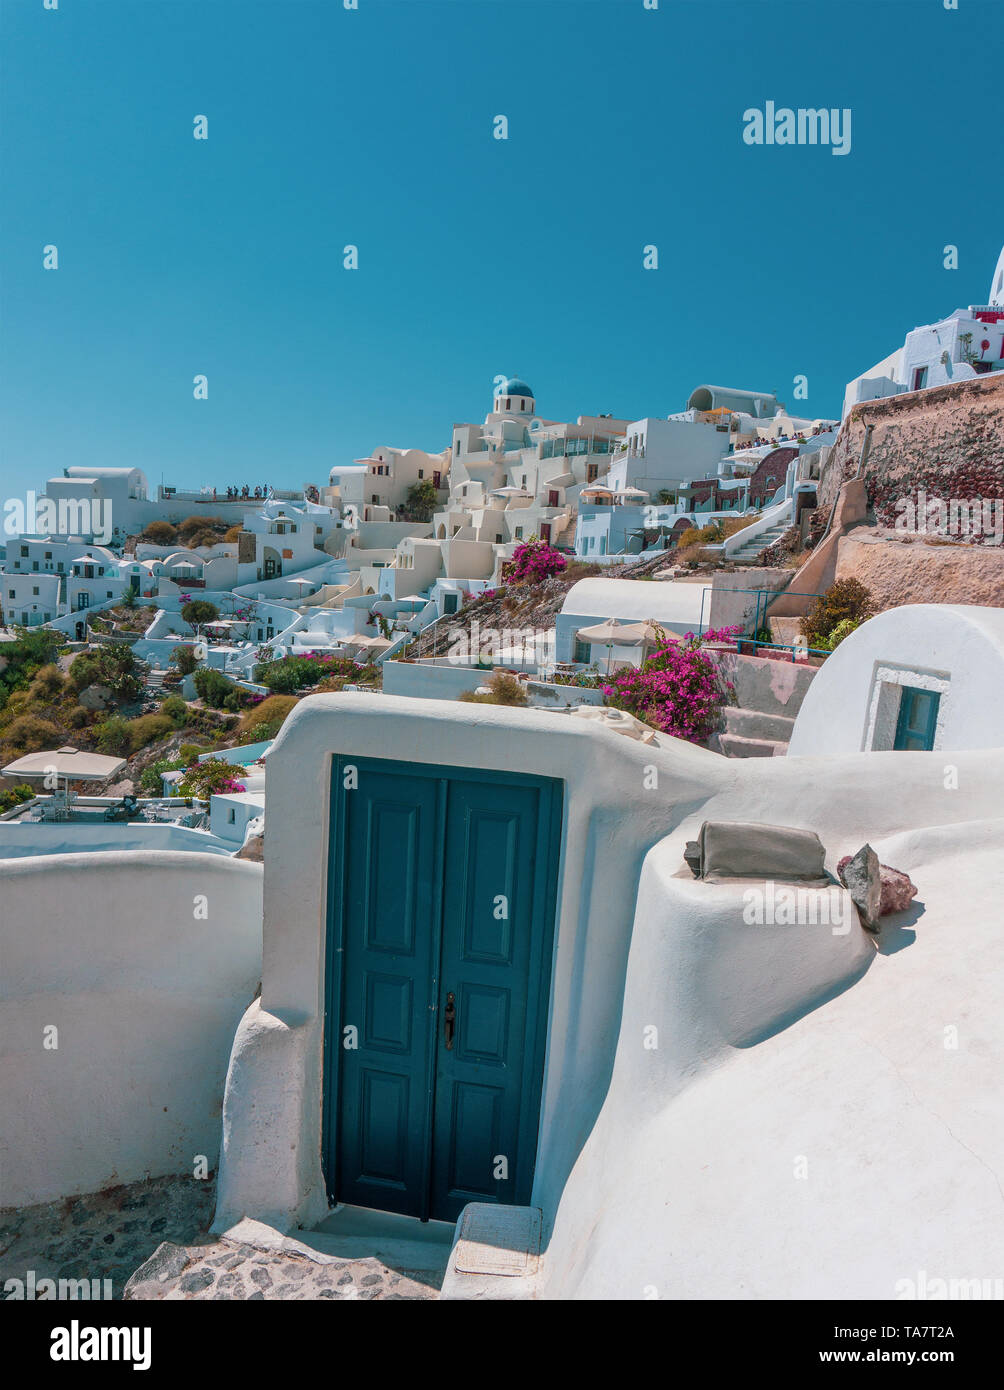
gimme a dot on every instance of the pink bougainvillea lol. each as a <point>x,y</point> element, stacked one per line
<point>532,562</point>
<point>678,689</point>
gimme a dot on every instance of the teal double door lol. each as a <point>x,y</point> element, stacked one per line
<point>443,886</point>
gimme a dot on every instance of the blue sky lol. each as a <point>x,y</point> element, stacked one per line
<point>477,256</point>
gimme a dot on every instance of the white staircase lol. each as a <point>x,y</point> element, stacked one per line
<point>750,550</point>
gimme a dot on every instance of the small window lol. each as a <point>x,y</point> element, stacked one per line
<point>919,378</point>
<point>34,588</point>
<point>519,533</point>
<point>421,472</point>
<point>918,719</point>
<point>580,652</point>
<point>507,402</point>
<point>232,815</point>
<point>109,594</point>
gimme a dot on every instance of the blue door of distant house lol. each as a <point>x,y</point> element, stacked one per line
<point>918,719</point>
<point>443,885</point>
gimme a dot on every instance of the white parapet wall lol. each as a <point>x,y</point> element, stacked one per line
<point>124,977</point>
<point>662,995</point>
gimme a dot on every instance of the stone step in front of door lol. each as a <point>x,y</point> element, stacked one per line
<point>496,1254</point>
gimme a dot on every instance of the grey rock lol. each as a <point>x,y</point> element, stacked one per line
<point>96,697</point>
<point>196,1281</point>
<point>166,1264</point>
<point>861,875</point>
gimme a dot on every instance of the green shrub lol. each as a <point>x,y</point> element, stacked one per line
<point>184,659</point>
<point>78,717</point>
<point>24,657</point>
<point>843,629</point>
<point>176,709</point>
<point>47,682</point>
<point>114,736</point>
<point>212,686</point>
<point>31,734</point>
<point>14,796</point>
<point>847,600</point>
<point>149,779</point>
<point>503,689</point>
<point>265,720</point>
<point>291,673</point>
<point>188,752</point>
<point>236,700</point>
<point>113,666</point>
<point>160,533</point>
<point>148,728</point>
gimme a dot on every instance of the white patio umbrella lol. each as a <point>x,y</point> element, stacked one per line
<point>69,763</point>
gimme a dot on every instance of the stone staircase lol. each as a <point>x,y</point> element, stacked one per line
<point>750,734</point>
<point>750,550</point>
<point>566,536</point>
<point>768,696</point>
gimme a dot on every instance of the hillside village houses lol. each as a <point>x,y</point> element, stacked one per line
<point>379,830</point>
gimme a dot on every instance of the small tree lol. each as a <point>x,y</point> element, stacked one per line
<point>160,533</point>
<point>421,499</point>
<point>199,611</point>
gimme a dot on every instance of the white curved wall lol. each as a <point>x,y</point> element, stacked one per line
<point>956,646</point>
<point>634,946</point>
<point>145,998</point>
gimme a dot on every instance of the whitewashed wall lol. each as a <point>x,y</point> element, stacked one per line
<point>145,996</point>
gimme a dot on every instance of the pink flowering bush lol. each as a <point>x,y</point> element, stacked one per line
<point>678,689</point>
<point>203,779</point>
<point>532,563</point>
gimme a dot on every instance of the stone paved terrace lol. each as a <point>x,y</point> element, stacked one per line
<point>152,1240</point>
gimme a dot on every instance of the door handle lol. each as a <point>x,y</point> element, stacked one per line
<point>449,1021</point>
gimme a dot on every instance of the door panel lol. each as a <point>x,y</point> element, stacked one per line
<point>441,886</point>
<point>388,946</point>
<point>489,923</point>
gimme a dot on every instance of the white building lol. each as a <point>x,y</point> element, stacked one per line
<point>968,343</point>
<point>920,677</point>
<point>518,475</point>
<point>30,599</point>
<point>384,480</point>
